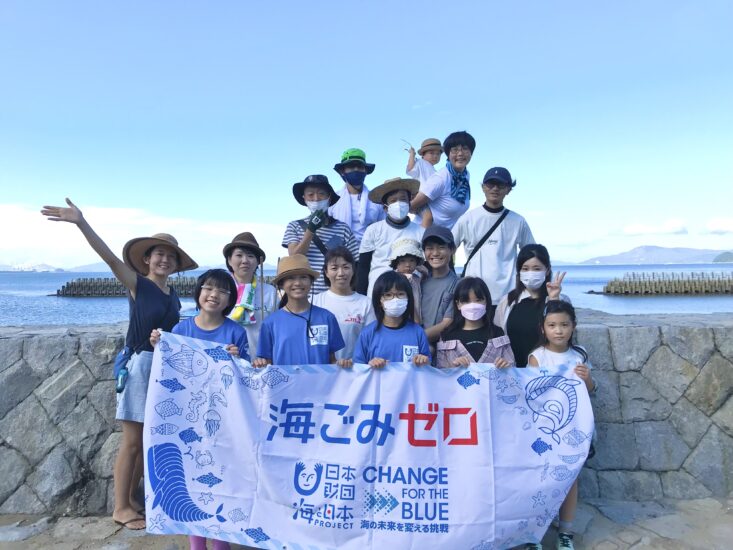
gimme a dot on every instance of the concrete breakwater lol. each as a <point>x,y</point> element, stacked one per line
<point>664,412</point>
<point>671,283</point>
<point>95,287</point>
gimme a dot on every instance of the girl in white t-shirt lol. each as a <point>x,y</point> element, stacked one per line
<point>557,348</point>
<point>353,311</point>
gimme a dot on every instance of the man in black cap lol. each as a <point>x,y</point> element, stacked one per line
<point>437,289</point>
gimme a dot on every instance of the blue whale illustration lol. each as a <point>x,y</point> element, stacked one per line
<point>165,470</point>
<point>553,398</point>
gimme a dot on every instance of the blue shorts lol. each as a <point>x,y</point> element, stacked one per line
<point>131,402</point>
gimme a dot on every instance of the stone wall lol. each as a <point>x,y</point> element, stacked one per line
<point>664,412</point>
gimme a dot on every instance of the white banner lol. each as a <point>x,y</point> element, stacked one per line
<point>315,456</point>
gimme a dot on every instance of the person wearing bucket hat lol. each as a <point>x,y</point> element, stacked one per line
<point>447,192</point>
<point>353,207</point>
<point>394,196</point>
<point>255,298</point>
<point>148,263</point>
<point>406,257</point>
<point>298,333</point>
<point>314,235</point>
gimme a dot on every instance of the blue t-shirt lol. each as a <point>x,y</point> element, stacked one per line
<point>152,308</point>
<point>229,332</point>
<point>398,345</point>
<point>285,341</point>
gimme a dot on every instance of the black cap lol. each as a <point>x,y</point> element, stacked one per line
<point>501,175</point>
<point>440,233</point>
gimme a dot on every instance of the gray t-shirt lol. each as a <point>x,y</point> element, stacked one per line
<point>437,298</point>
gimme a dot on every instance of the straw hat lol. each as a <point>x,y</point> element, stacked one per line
<point>134,252</point>
<point>247,241</point>
<point>429,144</point>
<point>289,266</point>
<point>394,184</point>
<point>402,247</point>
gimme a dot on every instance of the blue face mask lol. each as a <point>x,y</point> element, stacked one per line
<point>355,179</point>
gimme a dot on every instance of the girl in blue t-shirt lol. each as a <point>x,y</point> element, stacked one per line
<point>394,336</point>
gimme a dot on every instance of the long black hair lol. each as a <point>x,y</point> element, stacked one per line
<point>386,282</point>
<point>561,306</point>
<point>218,278</point>
<point>528,252</point>
<point>462,294</point>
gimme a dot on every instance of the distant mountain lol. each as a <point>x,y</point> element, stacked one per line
<point>658,255</point>
<point>725,257</point>
<point>98,267</point>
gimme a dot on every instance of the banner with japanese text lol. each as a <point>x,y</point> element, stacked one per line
<point>316,456</point>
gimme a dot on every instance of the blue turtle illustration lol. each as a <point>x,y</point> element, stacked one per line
<point>273,377</point>
<point>167,481</point>
<point>188,362</point>
<point>561,473</point>
<point>218,354</point>
<point>168,408</point>
<point>250,381</point>
<point>164,429</point>
<point>208,479</point>
<point>189,435</point>
<point>540,446</point>
<point>553,398</point>
<point>171,384</point>
<point>575,437</point>
<point>467,380</point>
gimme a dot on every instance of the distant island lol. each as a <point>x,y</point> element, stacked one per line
<point>725,257</point>
<point>662,255</point>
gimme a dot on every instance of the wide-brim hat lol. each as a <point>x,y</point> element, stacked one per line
<point>247,241</point>
<point>289,266</point>
<point>354,156</point>
<point>429,144</point>
<point>316,180</point>
<point>394,184</point>
<point>134,252</point>
<point>403,247</point>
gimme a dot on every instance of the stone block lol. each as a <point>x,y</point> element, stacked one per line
<point>49,353</point>
<point>615,447</point>
<point>713,386</point>
<point>689,422</point>
<point>20,531</point>
<point>84,430</point>
<point>629,512</point>
<point>103,398</point>
<point>587,484</point>
<point>98,351</point>
<point>632,346</point>
<point>724,341</point>
<point>607,402</point>
<point>84,529</point>
<point>17,382</point>
<point>639,399</point>
<point>55,476</point>
<point>13,469</point>
<point>724,417</point>
<point>707,463</point>
<point>681,485</point>
<point>660,447</point>
<point>104,460</point>
<point>23,501</point>
<point>28,429</point>
<point>624,485</point>
<point>93,498</point>
<point>695,344</point>
<point>594,338</point>
<point>11,350</point>
<point>669,373</point>
<point>61,393</point>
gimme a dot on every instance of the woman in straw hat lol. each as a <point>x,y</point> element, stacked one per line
<point>148,262</point>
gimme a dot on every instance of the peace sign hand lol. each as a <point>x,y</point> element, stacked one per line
<point>72,214</point>
<point>554,287</point>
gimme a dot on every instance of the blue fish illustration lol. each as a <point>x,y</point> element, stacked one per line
<point>188,362</point>
<point>575,437</point>
<point>237,515</point>
<point>218,354</point>
<point>171,384</point>
<point>540,446</point>
<point>168,408</point>
<point>165,472</point>
<point>164,429</point>
<point>570,459</point>
<point>208,479</point>
<point>250,381</point>
<point>273,377</point>
<point>189,435</point>
<point>561,473</point>
<point>467,380</point>
<point>553,398</point>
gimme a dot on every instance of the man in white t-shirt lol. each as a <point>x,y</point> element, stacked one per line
<point>494,260</point>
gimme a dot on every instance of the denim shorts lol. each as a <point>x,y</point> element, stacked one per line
<point>131,402</point>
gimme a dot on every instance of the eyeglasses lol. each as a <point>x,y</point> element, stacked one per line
<point>214,290</point>
<point>459,149</point>
<point>392,295</point>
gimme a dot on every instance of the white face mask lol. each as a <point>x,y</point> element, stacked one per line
<point>317,205</point>
<point>532,279</point>
<point>473,311</point>
<point>395,307</point>
<point>398,210</point>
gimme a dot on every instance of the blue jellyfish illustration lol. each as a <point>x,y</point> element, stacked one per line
<point>212,421</point>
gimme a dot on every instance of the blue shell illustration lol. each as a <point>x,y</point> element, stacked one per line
<point>561,473</point>
<point>227,376</point>
<point>218,354</point>
<point>467,380</point>
<point>208,479</point>
<point>237,515</point>
<point>168,408</point>
<point>508,399</point>
<point>197,399</point>
<point>540,446</point>
<point>273,377</point>
<point>250,381</point>
<point>172,384</point>
<point>164,429</point>
<point>165,472</point>
<point>188,362</point>
<point>575,437</point>
<point>570,459</point>
<point>164,347</point>
<point>554,399</point>
<point>189,435</point>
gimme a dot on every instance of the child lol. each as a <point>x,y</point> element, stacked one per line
<point>437,289</point>
<point>353,311</point>
<point>299,332</point>
<point>394,336</point>
<point>472,336</point>
<point>557,348</point>
<point>421,169</point>
<point>215,295</point>
<point>407,257</point>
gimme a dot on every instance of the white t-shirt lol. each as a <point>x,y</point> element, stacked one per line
<point>353,313</point>
<point>446,210</point>
<point>378,238</point>
<point>547,358</point>
<point>495,260</point>
<point>421,171</point>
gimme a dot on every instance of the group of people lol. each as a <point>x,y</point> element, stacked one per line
<point>363,282</point>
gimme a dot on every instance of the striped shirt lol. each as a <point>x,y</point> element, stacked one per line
<point>334,234</point>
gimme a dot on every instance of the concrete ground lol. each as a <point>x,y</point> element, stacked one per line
<point>601,525</point>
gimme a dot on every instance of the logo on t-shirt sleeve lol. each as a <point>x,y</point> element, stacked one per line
<point>408,352</point>
<point>319,335</point>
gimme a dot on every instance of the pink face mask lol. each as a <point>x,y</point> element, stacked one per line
<point>473,311</point>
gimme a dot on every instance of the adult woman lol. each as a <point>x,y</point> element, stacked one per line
<point>519,313</point>
<point>148,262</point>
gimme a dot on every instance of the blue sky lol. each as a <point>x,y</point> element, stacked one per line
<point>196,118</point>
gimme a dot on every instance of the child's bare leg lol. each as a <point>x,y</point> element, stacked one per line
<point>567,510</point>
